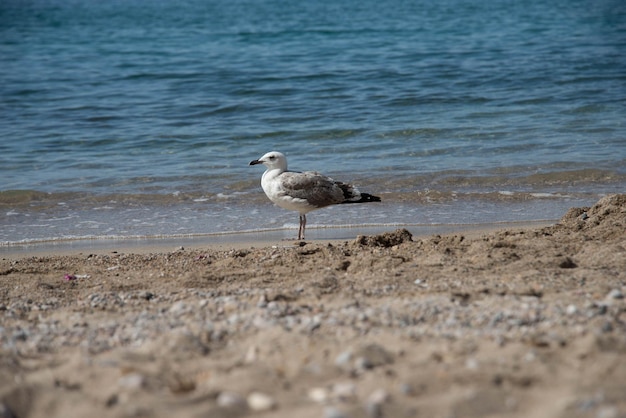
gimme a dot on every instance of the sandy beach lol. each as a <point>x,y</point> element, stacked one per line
<point>527,322</point>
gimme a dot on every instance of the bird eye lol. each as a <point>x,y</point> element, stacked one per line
<point>272,157</point>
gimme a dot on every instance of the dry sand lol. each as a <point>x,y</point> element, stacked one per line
<point>513,323</point>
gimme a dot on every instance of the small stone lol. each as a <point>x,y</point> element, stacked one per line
<point>406,389</point>
<point>615,294</point>
<point>178,307</point>
<point>181,384</point>
<point>252,354</point>
<point>319,395</point>
<point>602,309</point>
<point>5,411</point>
<point>132,381</point>
<point>379,396</point>
<point>332,412</point>
<point>344,391</point>
<point>567,263</point>
<point>231,400</point>
<point>183,343</point>
<point>571,309</point>
<point>111,401</point>
<point>471,364</point>
<point>372,355</point>
<point>511,403</point>
<point>374,410</point>
<point>258,401</point>
<point>530,356</point>
<point>343,359</point>
<point>608,412</point>
<point>146,295</point>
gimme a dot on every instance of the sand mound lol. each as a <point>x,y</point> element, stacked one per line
<point>607,218</point>
<point>386,240</point>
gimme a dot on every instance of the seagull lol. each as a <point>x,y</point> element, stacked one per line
<point>304,191</point>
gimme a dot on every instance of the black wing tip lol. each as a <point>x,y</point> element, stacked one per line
<point>366,197</point>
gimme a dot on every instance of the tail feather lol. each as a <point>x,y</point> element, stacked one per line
<point>366,197</point>
<point>352,195</point>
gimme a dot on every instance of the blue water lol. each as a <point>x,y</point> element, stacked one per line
<point>138,118</point>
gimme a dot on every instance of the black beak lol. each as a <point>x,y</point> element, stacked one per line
<point>255,162</point>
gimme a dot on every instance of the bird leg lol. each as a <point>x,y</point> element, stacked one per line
<point>302,226</point>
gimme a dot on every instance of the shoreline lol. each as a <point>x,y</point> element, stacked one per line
<point>510,322</point>
<point>238,240</point>
<point>243,219</point>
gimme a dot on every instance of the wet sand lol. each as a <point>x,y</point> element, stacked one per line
<point>515,322</point>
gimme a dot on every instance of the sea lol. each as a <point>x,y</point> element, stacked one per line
<point>137,119</point>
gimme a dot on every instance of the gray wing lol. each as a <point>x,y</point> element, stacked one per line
<point>317,189</point>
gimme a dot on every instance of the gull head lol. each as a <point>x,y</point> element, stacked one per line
<point>272,160</point>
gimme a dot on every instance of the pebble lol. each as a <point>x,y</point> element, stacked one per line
<point>608,412</point>
<point>615,294</point>
<point>406,389</point>
<point>571,310</point>
<point>379,396</point>
<point>132,381</point>
<point>471,363</point>
<point>262,303</point>
<point>252,355</point>
<point>231,400</point>
<point>5,411</point>
<point>374,403</point>
<point>344,391</point>
<point>530,356</point>
<point>258,401</point>
<point>343,359</point>
<point>333,412</point>
<point>319,395</point>
<point>373,410</point>
<point>178,308</point>
<point>370,356</point>
<point>146,295</point>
